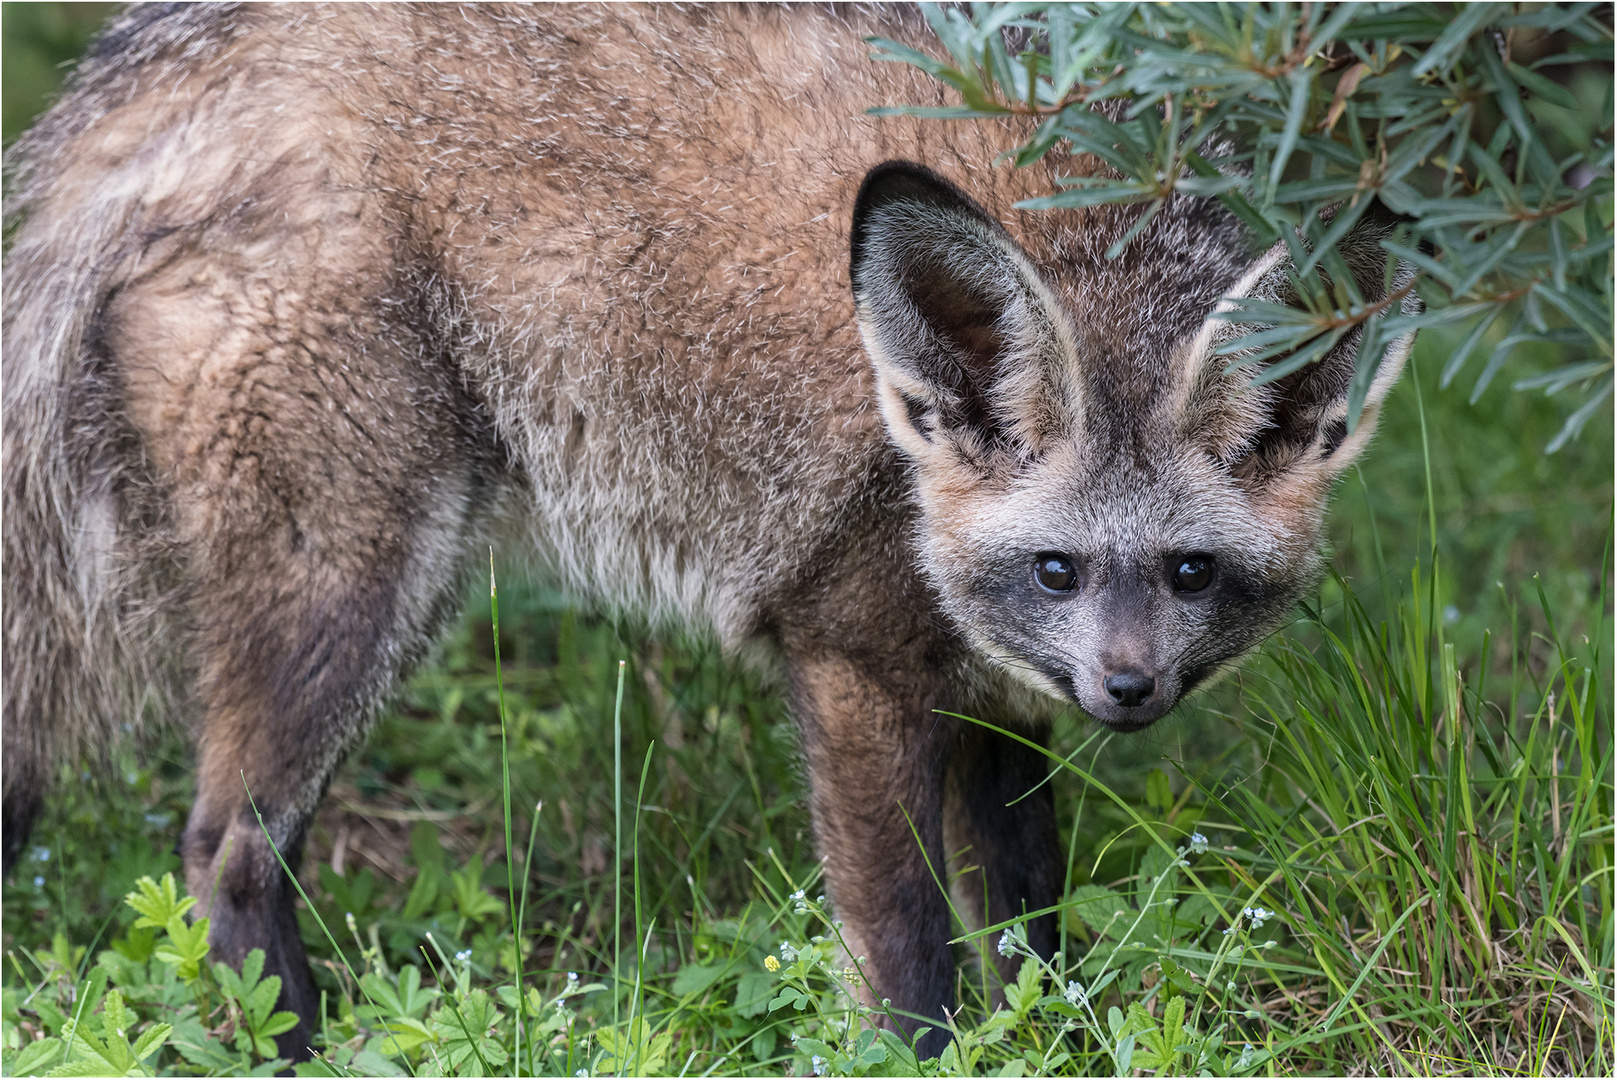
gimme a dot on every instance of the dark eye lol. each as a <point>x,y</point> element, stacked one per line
<point>1055,573</point>
<point>1192,573</point>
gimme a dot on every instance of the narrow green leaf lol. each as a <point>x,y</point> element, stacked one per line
<point>934,112</point>
<point>1468,19</point>
<point>1145,218</point>
<point>1093,194</point>
<point>1578,419</point>
<point>1553,17</point>
<point>1419,259</point>
<point>1548,89</point>
<point>1468,346</point>
<point>1367,358</point>
<point>1304,356</point>
<point>1562,377</point>
<point>1253,310</point>
<point>1345,219</point>
<point>1502,351</point>
<point>1252,345</point>
<point>893,51</point>
<point>1510,103</point>
<point>1590,317</point>
<point>1302,84</point>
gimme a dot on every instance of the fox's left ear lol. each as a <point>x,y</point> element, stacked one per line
<point>1297,425</point>
<point>971,349</point>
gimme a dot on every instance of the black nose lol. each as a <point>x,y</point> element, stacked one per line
<point>1130,688</point>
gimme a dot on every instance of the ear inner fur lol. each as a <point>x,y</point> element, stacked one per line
<point>958,321</point>
<point>1298,422</point>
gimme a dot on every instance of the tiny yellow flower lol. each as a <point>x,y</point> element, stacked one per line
<point>771,963</point>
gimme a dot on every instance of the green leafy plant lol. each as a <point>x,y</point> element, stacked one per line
<point>161,906</point>
<point>252,998</point>
<point>110,1054</point>
<point>1461,120</point>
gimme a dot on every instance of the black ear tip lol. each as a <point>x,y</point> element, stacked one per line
<point>893,181</point>
<point>901,181</point>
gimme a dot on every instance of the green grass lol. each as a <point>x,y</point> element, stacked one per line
<point>1416,780</point>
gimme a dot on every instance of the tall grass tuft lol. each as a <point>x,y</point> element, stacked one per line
<point>1437,839</point>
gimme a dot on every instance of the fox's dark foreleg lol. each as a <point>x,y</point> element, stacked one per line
<point>875,755</point>
<point>1000,821</point>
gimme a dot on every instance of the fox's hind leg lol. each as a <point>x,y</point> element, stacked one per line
<point>305,619</point>
<point>327,473</point>
<point>291,669</point>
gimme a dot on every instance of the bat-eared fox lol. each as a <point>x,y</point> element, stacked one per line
<point>306,307</point>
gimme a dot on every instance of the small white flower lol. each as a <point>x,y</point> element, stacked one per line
<point>1074,993</point>
<point>1246,1056</point>
<point>572,979</point>
<point>787,953</point>
<point>819,1065</point>
<point>39,882</point>
<point>353,926</point>
<point>464,955</point>
<point>1007,946</point>
<point>1257,915</point>
<point>1198,843</point>
<point>582,1072</point>
<point>798,895</point>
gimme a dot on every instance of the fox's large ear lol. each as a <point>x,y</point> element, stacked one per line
<point>1297,425</point>
<point>971,349</point>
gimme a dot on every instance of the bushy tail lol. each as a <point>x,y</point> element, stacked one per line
<point>73,668</point>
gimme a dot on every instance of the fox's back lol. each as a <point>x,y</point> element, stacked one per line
<point>625,228</point>
<point>621,231</point>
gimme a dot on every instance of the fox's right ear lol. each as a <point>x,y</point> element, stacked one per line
<point>1292,430</point>
<point>971,349</point>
